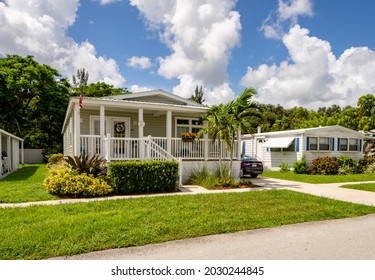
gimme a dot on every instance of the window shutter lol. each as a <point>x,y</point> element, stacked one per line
<point>244,147</point>
<point>360,145</point>
<point>338,144</point>
<point>307,143</point>
<point>333,144</point>
<point>297,145</point>
<point>267,149</point>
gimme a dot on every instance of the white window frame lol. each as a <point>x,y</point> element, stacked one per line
<point>109,123</point>
<point>348,144</point>
<point>318,144</point>
<point>190,125</point>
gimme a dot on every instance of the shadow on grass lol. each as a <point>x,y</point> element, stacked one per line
<point>21,174</point>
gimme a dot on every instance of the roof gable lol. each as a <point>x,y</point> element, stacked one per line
<point>156,96</point>
<point>322,129</point>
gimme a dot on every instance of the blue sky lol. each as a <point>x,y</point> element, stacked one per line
<point>309,53</point>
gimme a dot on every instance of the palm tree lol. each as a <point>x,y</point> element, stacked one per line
<point>224,120</point>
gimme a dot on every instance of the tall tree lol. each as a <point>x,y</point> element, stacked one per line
<point>198,95</point>
<point>223,122</point>
<point>33,100</point>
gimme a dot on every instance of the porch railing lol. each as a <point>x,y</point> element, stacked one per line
<point>114,148</point>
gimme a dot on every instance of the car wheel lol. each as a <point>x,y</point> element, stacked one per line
<point>254,175</point>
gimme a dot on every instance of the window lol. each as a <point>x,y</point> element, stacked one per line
<point>350,144</point>
<point>353,144</point>
<point>187,125</point>
<point>343,144</point>
<point>313,143</point>
<point>324,144</point>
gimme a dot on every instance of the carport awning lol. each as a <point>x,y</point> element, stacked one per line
<point>280,142</point>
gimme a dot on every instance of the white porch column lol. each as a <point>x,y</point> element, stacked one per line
<point>77,131</point>
<point>169,131</point>
<point>239,146</point>
<point>141,123</point>
<point>102,129</point>
<point>9,154</point>
<point>22,154</point>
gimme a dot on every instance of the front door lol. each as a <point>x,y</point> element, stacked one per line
<point>120,128</point>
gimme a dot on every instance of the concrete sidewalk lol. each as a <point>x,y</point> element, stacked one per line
<point>325,190</point>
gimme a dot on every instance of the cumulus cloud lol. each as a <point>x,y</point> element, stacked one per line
<point>106,2</point>
<point>38,28</point>
<point>288,11</point>
<point>137,88</point>
<point>141,62</point>
<point>314,76</point>
<point>200,35</point>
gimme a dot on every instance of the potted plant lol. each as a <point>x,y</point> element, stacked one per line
<point>188,136</point>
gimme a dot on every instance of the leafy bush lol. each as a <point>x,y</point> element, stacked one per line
<point>64,183</point>
<point>284,167</point>
<point>55,158</point>
<point>202,177</point>
<point>134,177</point>
<point>370,169</point>
<point>325,166</point>
<point>364,163</point>
<point>91,165</point>
<point>346,161</point>
<point>300,166</point>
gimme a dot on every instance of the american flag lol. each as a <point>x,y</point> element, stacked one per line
<point>80,101</point>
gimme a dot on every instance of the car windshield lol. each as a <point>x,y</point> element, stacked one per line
<point>246,157</point>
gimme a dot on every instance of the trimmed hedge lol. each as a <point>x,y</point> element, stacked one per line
<point>135,177</point>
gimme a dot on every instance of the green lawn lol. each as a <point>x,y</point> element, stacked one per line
<point>319,179</point>
<point>39,232</point>
<point>362,187</point>
<point>25,185</point>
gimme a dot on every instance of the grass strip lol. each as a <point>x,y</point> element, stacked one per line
<point>318,179</point>
<point>363,187</point>
<point>24,185</point>
<point>40,232</point>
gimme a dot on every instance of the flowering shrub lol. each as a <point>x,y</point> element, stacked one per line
<point>61,182</point>
<point>325,166</point>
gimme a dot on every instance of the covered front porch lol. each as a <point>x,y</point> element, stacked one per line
<point>133,130</point>
<point>159,148</point>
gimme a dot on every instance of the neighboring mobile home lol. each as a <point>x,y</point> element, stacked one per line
<point>138,126</point>
<point>274,148</point>
<point>10,153</point>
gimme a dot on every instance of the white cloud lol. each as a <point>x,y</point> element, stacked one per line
<point>288,11</point>
<point>141,62</point>
<point>137,88</point>
<point>314,77</point>
<point>106,2</point>
<point>200,35</point>
<point>38,28</point>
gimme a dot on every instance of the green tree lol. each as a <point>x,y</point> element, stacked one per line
<point>366,106</point>
<point>101,89</point>
<point>198,95</point>
<point>224,120</point>
<point>33,100</point>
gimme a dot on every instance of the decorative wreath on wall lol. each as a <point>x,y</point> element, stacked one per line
<point>120,127</point>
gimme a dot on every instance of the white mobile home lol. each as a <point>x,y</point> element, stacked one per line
<point>10,153</point>
<point>274,148</point>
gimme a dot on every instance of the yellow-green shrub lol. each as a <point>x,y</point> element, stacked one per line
<point>62,182</point>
